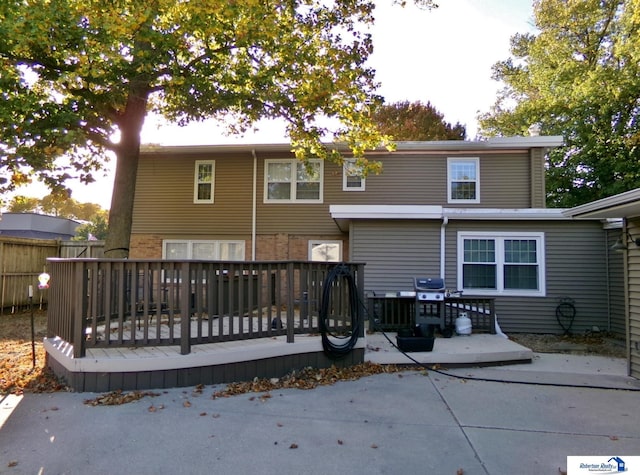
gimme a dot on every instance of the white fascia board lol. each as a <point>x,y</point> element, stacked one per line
<point>543,141</point>
<point>438,212</point>
<point>155,149</point>
<point>504,214</point>
<point>622,205</point>
<point>539,141</point>
<point>385,212</point>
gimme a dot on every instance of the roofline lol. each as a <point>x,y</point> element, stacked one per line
<point>606,206</point>
<point>496,143</point>
<point>438,212</point>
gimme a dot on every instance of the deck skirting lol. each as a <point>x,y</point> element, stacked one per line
<point>164,367</point>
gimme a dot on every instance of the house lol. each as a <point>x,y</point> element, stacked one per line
<point>470,212</point>
<point>37,226</point>
<point>627,206</point>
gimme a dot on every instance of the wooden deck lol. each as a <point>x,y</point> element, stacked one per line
<point>214,363</point>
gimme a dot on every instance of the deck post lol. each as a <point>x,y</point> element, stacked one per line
<point>185,310</point>
<point>78,291</point>
<point>360,298</point>
<point>290,302</point>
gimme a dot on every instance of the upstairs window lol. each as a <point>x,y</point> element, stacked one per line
<point>203,181</point>
<point>352,179</point>
<point>501,263</point>
<point>291,181</point>
<point>463,180</point>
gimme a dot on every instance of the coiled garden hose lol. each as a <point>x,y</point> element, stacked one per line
<point>333,349</point>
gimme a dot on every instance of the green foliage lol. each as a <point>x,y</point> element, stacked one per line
<point>60,205</point>
<point>23,204</point>
<point>96,229</point>
<point>578,77</point>
<point>76,73</point>
<point>416,121</point>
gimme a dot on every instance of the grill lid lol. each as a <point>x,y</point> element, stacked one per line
<point>433,284</point>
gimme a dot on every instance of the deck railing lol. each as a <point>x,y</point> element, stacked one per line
<point>390,312</point>
<point>107,303</point>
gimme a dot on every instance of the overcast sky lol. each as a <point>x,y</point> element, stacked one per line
<point>442,56</point>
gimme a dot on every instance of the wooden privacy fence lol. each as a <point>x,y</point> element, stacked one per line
<point>21,261</point>
<point>107,303</point>
<point>81,249</point>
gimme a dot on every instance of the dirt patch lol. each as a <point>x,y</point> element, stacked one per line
<point>17,370</point>
<point>598,344</point>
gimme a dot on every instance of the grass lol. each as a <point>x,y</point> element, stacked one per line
<point>18,373</point>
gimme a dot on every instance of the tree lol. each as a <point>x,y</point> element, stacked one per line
<point>578,77</point>
<point>60,205</point>
<point>24,204</point>
<point>416,121</point>
<point>97,228</point>
<point>76,73</point>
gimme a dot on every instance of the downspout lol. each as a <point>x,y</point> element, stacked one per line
<point>608,278</point>
<point>443,241</point>
<point>254,205</point>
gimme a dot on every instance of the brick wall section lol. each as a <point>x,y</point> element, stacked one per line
<point>145,246</point>
<point>272,247</point>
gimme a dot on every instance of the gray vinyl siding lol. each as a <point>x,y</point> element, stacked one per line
<point>615,265</point>
<point>164,192</point>
<point>575,269</point>
<point>538,191</point>
<point>395,252</point>
<point>422,179</point>
<point>298,218</point>
<point>164,197</point>
<point>633,283</point>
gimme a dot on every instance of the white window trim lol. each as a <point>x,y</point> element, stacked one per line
<point>451,160</point>
<point>349,162</point>
<point>191,242</point>
<point>315,242</point>
<point>499,238</point>
<point>196,183</point>
<point>294,163</point>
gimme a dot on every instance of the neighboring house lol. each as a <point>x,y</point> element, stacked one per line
<point>37,226</point>
<point>470,212</point>
<point>627,206</point>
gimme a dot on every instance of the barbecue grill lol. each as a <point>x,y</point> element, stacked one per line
<point>430,295</point>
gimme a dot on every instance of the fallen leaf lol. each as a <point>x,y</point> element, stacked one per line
<point>307,378</point>
<point>12,463</point>
<point>186,404</point>
<point>613,437</point>
<point>293,446</point>
<point>374,446</point>
<point>459,472</point>
<point>340,442</point>
<point>152,408</point>
<point>562,472</point>
<point>203,413</point>
<point>279,424</point>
